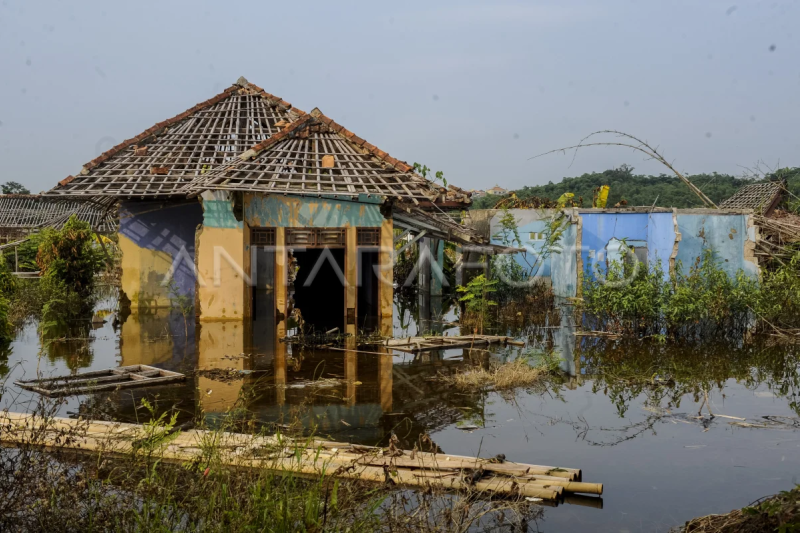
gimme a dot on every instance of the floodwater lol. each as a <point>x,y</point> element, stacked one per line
<point>623,412</point>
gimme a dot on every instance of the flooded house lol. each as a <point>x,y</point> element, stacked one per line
<point>664,237</point>
<point>268,219</point>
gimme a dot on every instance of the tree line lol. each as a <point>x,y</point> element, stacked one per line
<point>640,189</point>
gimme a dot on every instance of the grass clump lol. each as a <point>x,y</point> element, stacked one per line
<point>779,514</point>
<point>524,371</point>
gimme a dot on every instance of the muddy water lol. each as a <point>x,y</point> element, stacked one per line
<point>623,412</point>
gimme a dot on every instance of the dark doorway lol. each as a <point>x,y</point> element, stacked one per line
<point>262,269</point>
<point>319,288</point>
<point>368,288</point>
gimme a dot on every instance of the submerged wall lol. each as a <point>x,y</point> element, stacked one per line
<point>669,236</point>
<point>156,238</point>
<point>731,237</point>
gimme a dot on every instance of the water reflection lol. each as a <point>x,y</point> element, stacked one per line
<point>620,408</point>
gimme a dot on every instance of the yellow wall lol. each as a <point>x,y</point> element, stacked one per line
<point>223,263</point>
<point>143,272</point>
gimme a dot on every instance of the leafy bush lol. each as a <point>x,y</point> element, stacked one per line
<point>69,255</point>
<point>69,261</point>
<point>6,330</point>
<point>477,299</point>
<point>8,283</point>
<point>635,296</point>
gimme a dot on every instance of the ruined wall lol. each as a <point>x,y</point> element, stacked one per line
<point>564,265</point>
<point>669,236</point>
<point>275,211</point>
<point>531,224</point>
<point>730,236</point>
<point>155,237</point>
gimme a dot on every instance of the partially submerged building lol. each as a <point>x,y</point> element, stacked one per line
<point>668,237</point>
<point>255,209</point>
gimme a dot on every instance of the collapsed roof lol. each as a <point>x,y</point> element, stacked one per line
<point>315,156</point>
<point>31,211</point>
<point>166,157</point>
<point>760,197</point>
<point>245,139</point>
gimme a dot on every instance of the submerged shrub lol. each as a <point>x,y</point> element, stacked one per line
<point>636,296</point>
<point>69,255</point>
<point>69,261</point>
<point>778,302</point>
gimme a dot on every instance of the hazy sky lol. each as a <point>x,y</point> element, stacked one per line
<point>470,88</point>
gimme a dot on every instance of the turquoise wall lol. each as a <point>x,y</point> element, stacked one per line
<point>297,211</point>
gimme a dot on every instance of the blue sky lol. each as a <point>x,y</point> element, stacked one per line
<point>470,88</point>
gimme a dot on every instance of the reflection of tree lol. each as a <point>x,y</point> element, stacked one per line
<point>5,353</point>
<point>665,374</point>
<point>72,344</point>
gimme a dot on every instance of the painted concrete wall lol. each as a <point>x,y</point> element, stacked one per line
<point>595,235</point>
<point>731,237</point>
<point>564,264</point>
<point>223,260</point>
<point>155,237</point>
<point>602,230</point>
<point>297,212</point>
<point>531,223</point>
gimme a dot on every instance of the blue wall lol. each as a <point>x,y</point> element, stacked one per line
<point>726,235</point>
<point>656,230</point>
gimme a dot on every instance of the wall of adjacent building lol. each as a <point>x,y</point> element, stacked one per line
<point>672,238</point>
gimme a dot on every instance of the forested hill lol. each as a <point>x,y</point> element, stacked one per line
<point>663,190</point>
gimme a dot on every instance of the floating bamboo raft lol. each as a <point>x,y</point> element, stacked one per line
<point>308,457</point>
<point>422,344</point>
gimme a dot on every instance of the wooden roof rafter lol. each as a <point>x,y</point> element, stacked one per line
<point>316,156</point>
<point>33,211</point>
<point>164,158</point>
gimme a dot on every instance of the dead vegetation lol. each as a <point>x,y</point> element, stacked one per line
<point>780,513</point>
<point>498,376</point>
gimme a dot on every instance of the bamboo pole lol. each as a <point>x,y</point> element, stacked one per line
<point>413,469</point>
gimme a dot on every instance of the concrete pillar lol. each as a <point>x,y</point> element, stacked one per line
<point>424,262</point>
<point>350,371</point>
<point>386,278</point>
<point>351,280</point>
<point>437,267</point>
<point>223,263</point>
<point>459,266</point>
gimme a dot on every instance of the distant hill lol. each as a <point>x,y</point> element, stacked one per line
<point>637,189</point>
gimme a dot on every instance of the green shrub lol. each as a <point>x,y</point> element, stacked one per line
<point>6,330</point>
<point>69,254</point>
<point>8,283</point>
<point>635,296</point>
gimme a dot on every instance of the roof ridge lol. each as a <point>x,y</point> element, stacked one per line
<point>240,84</point>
